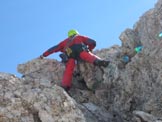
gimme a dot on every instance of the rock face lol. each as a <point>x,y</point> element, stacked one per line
<point>24,102</point>
<point>125,91</point>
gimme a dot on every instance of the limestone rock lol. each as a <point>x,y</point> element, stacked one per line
<point>42,71</point>
<point>145,117</point>
<point>24,103</point>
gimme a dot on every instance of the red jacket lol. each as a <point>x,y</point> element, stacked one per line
<point>78,40</point>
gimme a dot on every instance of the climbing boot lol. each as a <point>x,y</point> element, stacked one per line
<point>66,88</point>
<point>103,63</point>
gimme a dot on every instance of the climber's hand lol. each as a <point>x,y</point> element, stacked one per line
<point>41,57</point>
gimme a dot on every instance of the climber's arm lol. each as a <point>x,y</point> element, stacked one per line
<point>53,49</point>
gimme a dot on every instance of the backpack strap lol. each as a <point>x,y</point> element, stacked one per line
<point>69,42</point>
<point>67,50</point>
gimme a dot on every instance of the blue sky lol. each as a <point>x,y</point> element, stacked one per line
<point>29,27</point>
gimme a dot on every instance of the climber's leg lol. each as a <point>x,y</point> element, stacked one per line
<point>88,56</point>
<point>91,58</point>
<point>68,73</point>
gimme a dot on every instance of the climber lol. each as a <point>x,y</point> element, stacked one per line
<point>75,47</point>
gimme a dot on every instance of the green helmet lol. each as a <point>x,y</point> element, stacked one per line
<point>72,32</point>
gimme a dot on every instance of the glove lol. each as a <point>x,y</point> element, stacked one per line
<point>41,56</point>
